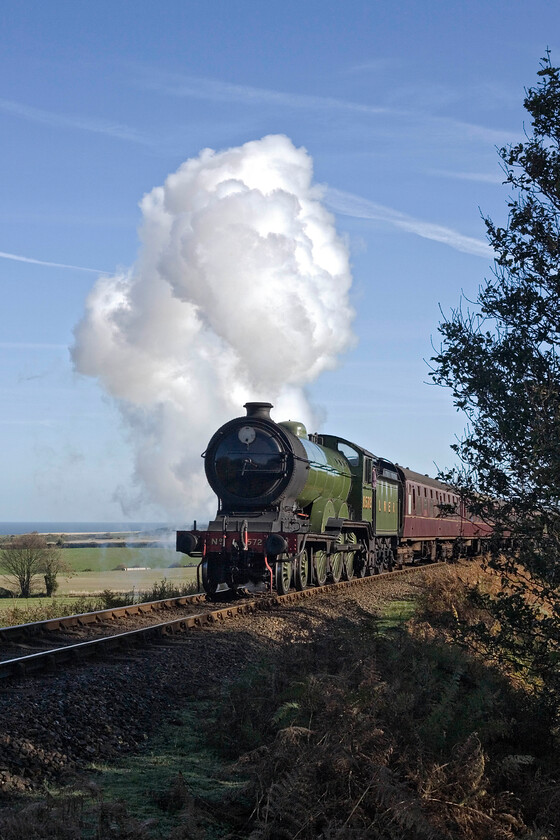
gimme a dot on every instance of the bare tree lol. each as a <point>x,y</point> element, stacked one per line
<point>27,556</point>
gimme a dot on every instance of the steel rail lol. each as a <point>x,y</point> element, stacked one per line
<point>24,665</point>
<point>18,631</point>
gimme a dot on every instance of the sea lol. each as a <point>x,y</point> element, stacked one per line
<point>13,528</point>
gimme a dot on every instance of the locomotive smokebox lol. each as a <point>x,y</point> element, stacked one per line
<point>260,410</point>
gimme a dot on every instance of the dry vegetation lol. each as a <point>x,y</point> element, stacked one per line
<point>355,732</point>
<point>395,735</point>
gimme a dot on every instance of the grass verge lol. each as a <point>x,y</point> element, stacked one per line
<point>177,777</point>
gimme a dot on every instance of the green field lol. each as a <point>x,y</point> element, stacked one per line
<point>86,583</point>
<point>86,591</point>
<point>94,559</point>
<point>135,580</point>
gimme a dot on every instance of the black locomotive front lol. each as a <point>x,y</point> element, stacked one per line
<point>252,463</point>
<point>256,469</point>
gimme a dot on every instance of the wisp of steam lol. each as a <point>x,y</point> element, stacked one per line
<point>240,292</point>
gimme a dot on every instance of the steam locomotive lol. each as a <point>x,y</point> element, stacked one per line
<point>298,509</point>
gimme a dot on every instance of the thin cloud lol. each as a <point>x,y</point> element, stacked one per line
<point>361,208</point>
<point>19,258</point>
<point>495,136</point>
<point>195,87</point>
<point>219,91</point>
<point>481,177</point>
<point>111,129</point>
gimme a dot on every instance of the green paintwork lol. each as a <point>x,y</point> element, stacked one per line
<point>329,476</point>
<point>321,511</point>
<point>341,510</point>
<point>339,485</point>
<point>328,482</point>
<point>379,505</point>
<point>387,506</point>
<point>356,467</point>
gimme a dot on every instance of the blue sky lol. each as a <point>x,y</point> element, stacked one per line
<point>401,107</point>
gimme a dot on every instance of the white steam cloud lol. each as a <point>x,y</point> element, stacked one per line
<point>239,292</point>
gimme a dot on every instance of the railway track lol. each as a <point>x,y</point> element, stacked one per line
<point>40,634</point>
<point>95,619</point>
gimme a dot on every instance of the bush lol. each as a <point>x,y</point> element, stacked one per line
<point>109,599</point>
<point>165,589</point>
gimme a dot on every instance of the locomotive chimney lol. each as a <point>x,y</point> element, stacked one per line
<point>260,410</point>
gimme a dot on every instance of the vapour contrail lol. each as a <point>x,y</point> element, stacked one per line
<point>19,258</point>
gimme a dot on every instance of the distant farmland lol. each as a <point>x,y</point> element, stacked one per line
<point>96,559</point>
<point>116,568</point>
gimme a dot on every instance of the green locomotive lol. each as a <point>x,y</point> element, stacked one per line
<point>294,509</point>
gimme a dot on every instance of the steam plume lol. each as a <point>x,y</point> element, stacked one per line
<point>239,292</point>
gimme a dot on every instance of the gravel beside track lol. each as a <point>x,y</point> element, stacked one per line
<point>54,725</point>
